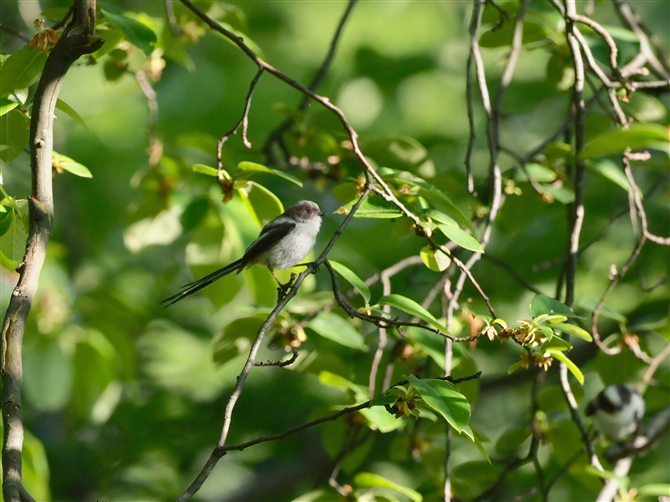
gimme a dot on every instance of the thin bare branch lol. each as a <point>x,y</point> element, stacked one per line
<point>276,135</point>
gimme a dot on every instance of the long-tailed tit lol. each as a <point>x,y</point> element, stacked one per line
<point>282,244</point>
<point>616,411</point>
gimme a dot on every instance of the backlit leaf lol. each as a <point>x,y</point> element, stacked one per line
<point>337,329</point>
<point>411,307</point>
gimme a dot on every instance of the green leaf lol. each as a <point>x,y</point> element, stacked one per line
<point>95,365</point>
<point>411,307</point>
<point>345,192</point>
<point>337,329</point>
<point>383,400</point>
<point>111,36</point>
<point>48,374</point>
<point>248,168</point>
<point>445,399</point>
<point>263,203</point>
<point>7,105</point>
<point>514,367</point>
<point>435,259</point>
<point>467,431</point>
<point>67,164</point>
<point>68,110</point>
<point>571,329</point>
<point>372,207</point>
<point>610,171</point>
<point>502,36</point>
<point>438,199</point>
<point>369,480</point>
<point>328,378</point>
<point>194,213</point>
<point>537,172</point>
<point>381,420</point>
<point>137,33</point>
<point>463,239</point>
<point>14,134</point>
<point>22,69</point>
<point>352,279</point>
<point>203,169</point>
<point>6,215</point>
<point>35,475</point>
<point>557,354</point>
<point>235,338</point>
<point>563,194</point>
<point>13,241</point>
<point>635,137</point>
<point>511,439</point>
<point>654,490</point>
<point>247,40</point>
<point>542,304</point>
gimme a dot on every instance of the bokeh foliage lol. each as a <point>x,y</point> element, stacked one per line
<point>124,399</point>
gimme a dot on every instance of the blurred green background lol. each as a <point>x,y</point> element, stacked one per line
<point>124,399</point>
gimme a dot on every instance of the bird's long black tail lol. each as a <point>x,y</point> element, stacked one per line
<point>195,286</point>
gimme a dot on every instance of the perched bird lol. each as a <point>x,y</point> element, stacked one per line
<point>282,244</point>
<point>616,411</point>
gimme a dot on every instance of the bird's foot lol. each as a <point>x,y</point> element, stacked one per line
<point>284,289</point>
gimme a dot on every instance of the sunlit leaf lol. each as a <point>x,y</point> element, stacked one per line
<point>563,194</point>
<point>71,112</point>
<point>22,69</point>
<point>635,137</point>
<point>203,169</point>
<point>262,202</point>
<point>337,329</point>
<point>7,105</point>
<point>67,164</point>
<point>654,490</point>
<point>352,279</point>
<point>463,239</point>
<point>571,329</point>
<point>577,373</point>
<point>411,307</point>
<point>435,259</point>
<point>444,398</point>
<point>370,480</point>
<point>380,419</point>
<point>372,207</point>
<point>248,168</point>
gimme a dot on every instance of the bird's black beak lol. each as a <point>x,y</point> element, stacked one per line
<point>322,213</point>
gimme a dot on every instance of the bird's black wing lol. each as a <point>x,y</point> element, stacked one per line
<point>194,286</point>
<point>271,234</point>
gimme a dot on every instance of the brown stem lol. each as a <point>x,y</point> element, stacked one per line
<point>76,41</point>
